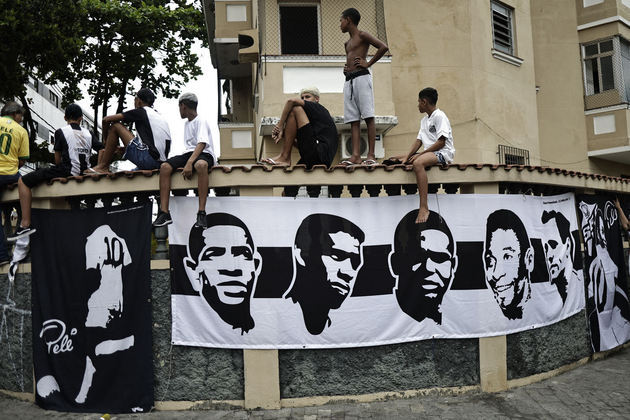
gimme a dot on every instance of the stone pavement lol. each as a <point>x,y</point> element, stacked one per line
<point>597,390</point>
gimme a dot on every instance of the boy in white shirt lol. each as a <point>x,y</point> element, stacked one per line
<point>199,155</point>
<point>437,137</point>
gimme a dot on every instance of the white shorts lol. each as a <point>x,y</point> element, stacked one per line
<point>358,99</point>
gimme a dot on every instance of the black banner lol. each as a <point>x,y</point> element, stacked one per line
<point>91,309</point>
<point>604,272</point>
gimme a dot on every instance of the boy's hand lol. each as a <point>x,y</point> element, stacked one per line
<point>361,62</point>
<point>277,134</point>
<point>412,158</point>
<point>187,173</point>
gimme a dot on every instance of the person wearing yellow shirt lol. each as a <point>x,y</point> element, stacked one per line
<point>14,152</point>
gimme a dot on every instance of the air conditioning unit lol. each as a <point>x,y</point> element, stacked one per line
<point>346,145</point>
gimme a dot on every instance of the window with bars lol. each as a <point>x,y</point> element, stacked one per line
<point>599,66</point>
<point>509,155</point>
<point>299,29</point>
<point>502,27</point>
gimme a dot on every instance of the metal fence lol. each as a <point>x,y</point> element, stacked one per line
<point>312,27</point>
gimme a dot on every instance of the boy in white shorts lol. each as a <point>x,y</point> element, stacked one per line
<point>358,94</point>
<point>437,137</point>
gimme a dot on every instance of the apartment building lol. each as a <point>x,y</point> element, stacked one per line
<point>523,81</point>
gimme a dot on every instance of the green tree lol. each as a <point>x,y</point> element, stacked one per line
<point>39,38</point>
<point>134,43</point>
<point>111,45</point>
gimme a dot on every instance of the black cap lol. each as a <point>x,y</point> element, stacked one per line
<point>73,112</point>
<point>146,95</point>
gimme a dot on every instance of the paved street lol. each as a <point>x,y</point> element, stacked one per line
<point>600,389</point>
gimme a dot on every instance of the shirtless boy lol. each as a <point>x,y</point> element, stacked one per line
<point>358,93</point>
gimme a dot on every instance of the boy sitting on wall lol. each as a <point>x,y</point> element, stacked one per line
<point>73,145</point>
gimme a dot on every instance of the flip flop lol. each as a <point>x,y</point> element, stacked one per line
<point>92,171</point>
<point>348,163</point>
<point>270,161</point>
<point>369,162</point>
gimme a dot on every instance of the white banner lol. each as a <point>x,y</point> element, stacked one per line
<point>343,272</point>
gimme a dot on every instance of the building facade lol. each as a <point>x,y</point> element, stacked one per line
<point>48,114</point>
<point>523,81</point>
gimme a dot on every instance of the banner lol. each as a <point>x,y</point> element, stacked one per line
<point>92,310</point>
<point>345,272</point>
<point>606,292</point>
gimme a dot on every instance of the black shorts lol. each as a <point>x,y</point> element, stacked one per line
<point>42,175</point>
<point>180,161</point>
<point>312,151</point>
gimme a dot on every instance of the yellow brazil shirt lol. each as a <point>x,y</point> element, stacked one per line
<point>13,145</point>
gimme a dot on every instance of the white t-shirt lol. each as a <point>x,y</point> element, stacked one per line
<point>75,153</point>
<point>432,128</point>
<point>198,131</point>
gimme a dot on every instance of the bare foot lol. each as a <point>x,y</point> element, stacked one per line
<point>423,215</point>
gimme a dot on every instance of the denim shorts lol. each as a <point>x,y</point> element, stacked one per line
<point>440,158</point>
<point>138,153</point>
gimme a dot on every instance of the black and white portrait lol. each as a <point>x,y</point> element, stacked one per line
<point>607,301</point>
<point>559,249</point>
<point>423,261</point>
<point>327,255</point>
<point>222,266</point>
<point>92,328</point>
<point>107,254</point>
<point>508,260</point>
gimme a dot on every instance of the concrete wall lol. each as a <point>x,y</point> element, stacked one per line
<point>193,374</point>
<point>558,67</point>
<point>422,364</point>
<point>448,46</point>
<point>189,373</point>
<point>544,349</point>
<point>16,357</point>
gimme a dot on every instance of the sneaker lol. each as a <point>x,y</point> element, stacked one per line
<point>21,232</point>
<point>201,220</point>
<point>163,218</point>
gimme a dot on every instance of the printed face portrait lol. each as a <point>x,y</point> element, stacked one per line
<point>424,262</point>
<point>558,248</point>
<point>327,255</point>
<point>226,263</point>
<point>508,261</point>
<point>223,265</point>
<point>557,253</point>
<point>603,272</point>
<point>336,257</point>
<point>106,252</point>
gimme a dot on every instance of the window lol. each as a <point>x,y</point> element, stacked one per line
<point>299,29</point>
<point>502,28</point>
<point>34,82</point>
<point>54,98</point>
<point>509,155</point>
<point>598,67</point>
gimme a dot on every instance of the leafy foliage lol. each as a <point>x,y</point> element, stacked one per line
<point>112,46</point>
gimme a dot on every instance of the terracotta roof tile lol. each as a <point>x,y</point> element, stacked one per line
<point>259,169</point>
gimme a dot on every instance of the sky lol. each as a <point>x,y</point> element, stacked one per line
<point>205,87</point>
